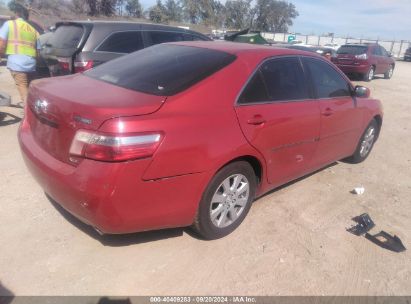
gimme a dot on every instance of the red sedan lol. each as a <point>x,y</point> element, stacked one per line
<point>191,133</point>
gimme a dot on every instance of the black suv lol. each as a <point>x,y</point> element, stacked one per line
<point>78,46</point>
<point>407,55</point>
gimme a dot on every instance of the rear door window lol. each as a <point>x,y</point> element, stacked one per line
<point>377,51</point>
<point>280,79</point>
<point>328,83</point>
<point>383,51</point>
<point>66,37</point>
<point>122,42</point>
<point>162,69</point>
<point>284,79</point>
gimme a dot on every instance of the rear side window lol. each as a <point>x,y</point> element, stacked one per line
<point>190,37</point>
<point>255,91</point>
<point>162,69</point>
<point>352,49</point>
<point>122,42</point>
<point>66,37</point>
<point>157,37</point>
<point>328,82</point>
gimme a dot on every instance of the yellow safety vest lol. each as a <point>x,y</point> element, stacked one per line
<point>22,38</point>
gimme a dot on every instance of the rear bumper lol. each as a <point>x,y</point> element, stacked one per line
<point>112,197</point>
<point>351,68</point>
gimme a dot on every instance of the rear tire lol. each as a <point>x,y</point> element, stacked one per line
<point>370,74</point>
<point>365,144</point>
<point>226,201</point>
<point>388,74</point>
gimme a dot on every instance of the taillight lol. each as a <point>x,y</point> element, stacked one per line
<point>64,63</point>
<point>114,147</point>
<point>362,56</point>
<point>81,66</point>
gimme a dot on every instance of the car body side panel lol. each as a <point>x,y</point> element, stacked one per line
<point>288,138</point>
<point>341,122</point>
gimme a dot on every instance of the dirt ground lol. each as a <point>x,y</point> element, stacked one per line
<point>293,242</point>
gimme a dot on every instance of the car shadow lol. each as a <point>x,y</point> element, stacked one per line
<point>297,180</point>
<point>7,119</point>
<point>120,240</point>
<point>6,296</point>
<point>354,77</point>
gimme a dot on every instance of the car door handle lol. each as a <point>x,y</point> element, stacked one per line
<point>328,112</point>
<point>256,120</point>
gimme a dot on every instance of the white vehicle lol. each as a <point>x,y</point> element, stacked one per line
<point>299,42</point>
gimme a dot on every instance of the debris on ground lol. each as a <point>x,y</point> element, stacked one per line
<point>358,190</point>
<point>5,99</point>
<point>364,224</point>
<point>382,239</point>
<point>387,241</point>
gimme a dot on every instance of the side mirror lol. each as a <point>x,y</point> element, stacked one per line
<point>362,92</point>
<point>389,54</point>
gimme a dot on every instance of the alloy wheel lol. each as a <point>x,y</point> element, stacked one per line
<point>367,141</point>
<point>371,74</point>
<point>229,200</point>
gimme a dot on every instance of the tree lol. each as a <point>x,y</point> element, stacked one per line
<point>120,7</point>
<point>133,8</point>
<point>157,13</point>
<point>78,6</point>
<point>238,14</point>
<point>274,15</point>
<point>93,7</point>
<point>173,10</point>
<point>192,10</point>
<point>107,7</point>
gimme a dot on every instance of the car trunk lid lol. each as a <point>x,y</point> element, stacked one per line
<point>59,50</point>
<point>60,107</point>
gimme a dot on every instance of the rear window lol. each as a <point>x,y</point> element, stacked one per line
<point>162,69</point>
<point>66,37</point>
<point>352,49</point>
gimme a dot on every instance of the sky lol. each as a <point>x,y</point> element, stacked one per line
<point>373,19</point>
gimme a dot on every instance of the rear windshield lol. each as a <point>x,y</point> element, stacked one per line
<point>163,69</point>
<point>66,37</point>
<point>352,49</point>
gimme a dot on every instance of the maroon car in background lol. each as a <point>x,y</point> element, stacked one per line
<point>366,60</point>
<point>191,133</point>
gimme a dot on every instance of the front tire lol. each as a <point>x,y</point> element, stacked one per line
<point>388,74</point>
<point>366,143</point>
<point>370,74</point>
<point>226,201</point>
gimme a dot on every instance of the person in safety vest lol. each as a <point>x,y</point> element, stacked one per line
<point>18,40</point>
